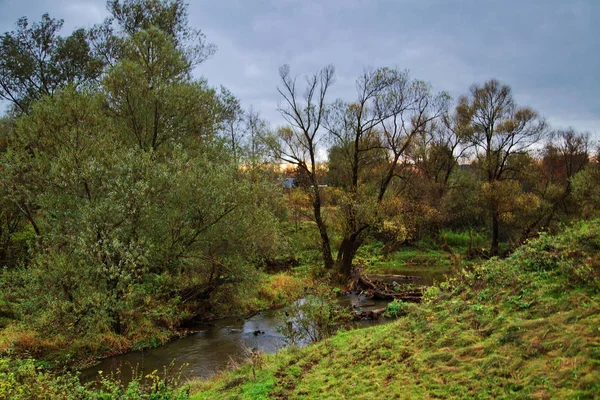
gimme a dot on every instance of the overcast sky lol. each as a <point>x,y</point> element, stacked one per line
<point>547,50</point>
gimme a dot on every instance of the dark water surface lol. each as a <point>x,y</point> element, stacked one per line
<point>202,354</point>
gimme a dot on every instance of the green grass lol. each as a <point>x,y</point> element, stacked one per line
<point>524,327</point>
<point>424,259</point>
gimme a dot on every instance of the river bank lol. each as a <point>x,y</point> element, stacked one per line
<point>154,352</point>
<point>524,327</point>
<point>215,346</point>
<point>77,353</point>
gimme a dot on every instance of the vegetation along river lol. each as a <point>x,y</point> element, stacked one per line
<point>222,342</point>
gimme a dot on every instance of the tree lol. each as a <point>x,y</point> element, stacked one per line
<point>131,16</point>
<point>136,202</point>
<point>258,131</point>
<point>370,134</point>
<point>498,130</point>
<point>389,112</point>
<point>586,188</point>
<point>233,125</point>
<point>152,96</point>
<point>36,61</point>
<point>565,154</point>
<point>245,132</point>
<point>436,151</point>
<point>299,142</point>
<point>14,235</point>
<point>430,163</point>
<point>116,220</point>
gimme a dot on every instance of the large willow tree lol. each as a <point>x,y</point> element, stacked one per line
<point>139,211</point>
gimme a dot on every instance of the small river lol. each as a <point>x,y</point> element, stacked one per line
<point>219,344</point>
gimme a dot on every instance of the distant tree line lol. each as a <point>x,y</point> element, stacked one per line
<point>405,163</point>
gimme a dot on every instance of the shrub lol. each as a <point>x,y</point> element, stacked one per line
<point>395,309</point>
<point>313,318</point>
<point>398,308</point>
<point>26,379</point>
<point>540,255</point>
<point>464,239</point>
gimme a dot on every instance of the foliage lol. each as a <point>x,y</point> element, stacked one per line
<point>141,219</point>
<point>313,318</point>
<point>462,240</point>
<point>281,289</point>
<point>501,133</point>
<point>27,379</point>
<point>35,61</point>
<point>135,197</point>
<point>124,213</point>
<point>396,308</point>
<point>586,190</point>
<point>168,16</point>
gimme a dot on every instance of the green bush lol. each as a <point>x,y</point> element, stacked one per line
<point>395,309</point>
<point>398,308</point>
<point>313,318</point>
<point>26,380</point>
<point>463,239</point>
<point>541,255</point>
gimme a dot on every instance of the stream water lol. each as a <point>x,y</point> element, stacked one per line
<point>201,354</point>
<point>217,345</point>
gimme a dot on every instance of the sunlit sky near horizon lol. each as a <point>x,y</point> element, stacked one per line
<point>547,50</point>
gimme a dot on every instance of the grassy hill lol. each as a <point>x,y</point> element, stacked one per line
<point>524,327</point>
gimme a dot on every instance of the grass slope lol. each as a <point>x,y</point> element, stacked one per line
<point>524,327</point>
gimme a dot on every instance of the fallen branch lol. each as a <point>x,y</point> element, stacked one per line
<point>377,289</point>
<point>369,314</point>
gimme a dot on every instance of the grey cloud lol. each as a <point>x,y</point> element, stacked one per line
<point>546,50</point>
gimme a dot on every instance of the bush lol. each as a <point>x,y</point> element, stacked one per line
<point>398,308</point>
<point>540,255</point>
<point>464,239</point>
<point>27,379</point>
<point>313,318</point>
<point>395,309</point>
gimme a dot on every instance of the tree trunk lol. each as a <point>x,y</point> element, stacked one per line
<point>346,254</point>
<point>117,326</point>
<point>344,258</point>
<point>325,245</point>
<point>495,222</point>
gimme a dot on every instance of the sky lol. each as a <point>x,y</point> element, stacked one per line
<point>546,50</point>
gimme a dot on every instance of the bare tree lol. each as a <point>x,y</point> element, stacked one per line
<point>565,154</point>
<point>298,143</point>
<point>411,111</point>
<point>389,111</point>
<point>572,149</point>
<point>432,159</point>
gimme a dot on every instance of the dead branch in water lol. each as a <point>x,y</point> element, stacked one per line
<point>377,289</point>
